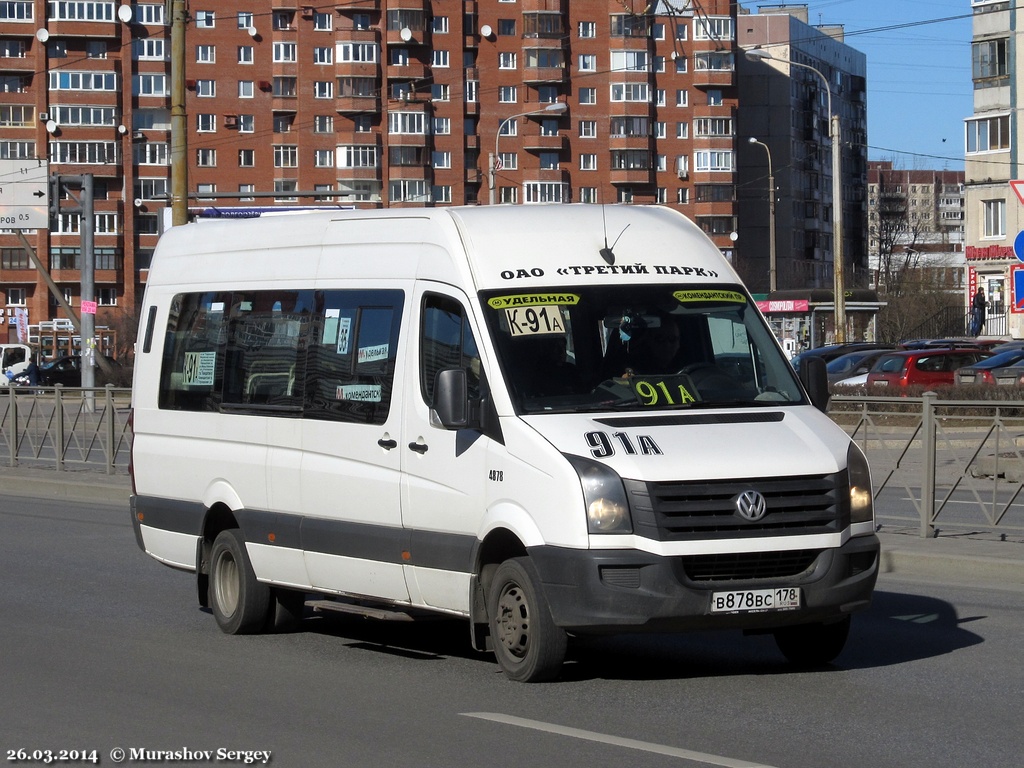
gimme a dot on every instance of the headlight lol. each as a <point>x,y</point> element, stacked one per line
<point>862,508</point>
<point>603,496</point>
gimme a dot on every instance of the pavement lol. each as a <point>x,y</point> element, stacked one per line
<point>955,557</point>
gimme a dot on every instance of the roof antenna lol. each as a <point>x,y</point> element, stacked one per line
<point>606,252</point>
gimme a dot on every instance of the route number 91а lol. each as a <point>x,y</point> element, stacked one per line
<point>526,321</point>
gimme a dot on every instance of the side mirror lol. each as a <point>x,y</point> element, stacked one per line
<point>814,377</point>
<point>451,398</point>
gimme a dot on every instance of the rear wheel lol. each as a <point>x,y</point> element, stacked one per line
<point>239,603</point>
<point>527,643</point>
<point>813,645</point>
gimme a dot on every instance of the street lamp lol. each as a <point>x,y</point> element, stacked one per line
<point>771,219</point>
<point>557,107</point>
<point>759,54</point>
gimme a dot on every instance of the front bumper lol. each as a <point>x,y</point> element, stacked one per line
<point>595,591</point>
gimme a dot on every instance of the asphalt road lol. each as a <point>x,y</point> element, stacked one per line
<point>102,648</point>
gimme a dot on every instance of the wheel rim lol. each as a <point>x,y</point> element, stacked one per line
<point>514,621</point>
<point>225,583</point>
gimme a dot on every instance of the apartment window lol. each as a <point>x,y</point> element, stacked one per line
<point>471,93</point>
<point>630,92</point>
<point>714,97</point>
<point>712,160</point>
<point>323,158</point>
<point>587,29</point>
<point>440,92</point>
<point>441,159</point>
<point>508,195</point>
<point>360,21</point>
<point>712,126</point>
<point>439,25</point>
<point>508,128</point>
<point>549,161</point>
<point>994,212</point>
<point>629,25</point>
<point>357,156</point>
<point>682,130</point>
<point>206,123</point>
<point>406,18</point>
<point>989,59</point>
<point>588,129</point>
<point>588,95</point>
<point>506,60</point>
<point>285,53</point>
<point>283,123</point>
<point>544,192</point>
<point>150,85</point>
<point>323,55</point>
<point>442,126</point>
<point>681,67</point>
<point>544,58</point>
<point>206,89</point>
<point>96,49</point>
<point>285,87</point>
<point>440,59</point>
<point>15,296</point>
<point>246,123</point>
<point>286,156</point>
<point>323,89</point>
<point>508,161</point>
<point>356,86</point>
<point>323,188</point>
<point>322,22</point>
<point>246,89</point>
<point>682,98</point>
<point>630,159</point>
<point>441,194</point>
<point>79,11</point>
<point>588,62</point>
<point>246,158</point>
<point>357,52</point>
<point>16,11</point>
<point>406,123</point>
<point>398,57</point>
<point>57,49</point>
<point>409,191</point>
<point>508,94</point>
<point>683,195</point>
<point>629,126</point>
<point>624,195</point>
<point>547,94</point>
<point>988,134</point>
<point>206,54</point>
<point>62,80</point>
<point>588,195</point>
<point>206,158</point>
<point>20,150</point>
<point>588,162</point>
<point>244,19</point>
<point>245,54</point>
<point>507,27</point>
<point>149,49</point>
<point>630,61</point>
<point>281,189</point>
<point>716,28</point>
<point>715,61</point>
<point>323,124</point>
<point>203,19</point>
<point>282,20</point>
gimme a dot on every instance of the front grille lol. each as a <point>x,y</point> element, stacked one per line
<point>679,511</point>
<point>748,565</point>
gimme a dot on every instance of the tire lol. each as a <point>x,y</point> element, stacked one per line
<point>240,604</point>
<point>813,645</point>
<point>528,645</point>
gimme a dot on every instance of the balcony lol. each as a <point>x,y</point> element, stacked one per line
<point>544,74</point>
<point>88,29</point>
<point>629,141</point>
<point>410,70</point>
<point>534,140</point>
<point>632,176</point>
<point>356,104</point>
<point>713,78</point>
<point>407,37</point>
<point>474,176</point>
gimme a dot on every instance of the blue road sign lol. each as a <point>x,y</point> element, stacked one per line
<point>1018,245</point>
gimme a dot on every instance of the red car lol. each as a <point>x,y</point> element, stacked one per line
<point>927,367</point>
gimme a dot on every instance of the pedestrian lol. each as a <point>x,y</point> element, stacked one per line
<point>978,312</point>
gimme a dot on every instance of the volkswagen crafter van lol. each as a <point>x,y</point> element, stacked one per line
<point>550,420</point>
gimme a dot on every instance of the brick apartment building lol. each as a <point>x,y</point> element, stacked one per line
<point>367,103</point>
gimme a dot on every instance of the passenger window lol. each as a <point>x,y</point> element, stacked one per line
<point>351,369</point>
<point>446,342</point>
<point>193,364</point>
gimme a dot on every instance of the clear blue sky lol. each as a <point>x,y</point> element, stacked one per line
<point>919,74</point>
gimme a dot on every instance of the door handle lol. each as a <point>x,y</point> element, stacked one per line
<point>387,444</point>
<point>418,447</point>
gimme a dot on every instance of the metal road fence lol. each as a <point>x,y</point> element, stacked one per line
<point>66,428</point>
<point>957,465</point>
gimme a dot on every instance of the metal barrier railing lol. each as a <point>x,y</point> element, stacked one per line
<point>958,464</point>
<point>64,427</point>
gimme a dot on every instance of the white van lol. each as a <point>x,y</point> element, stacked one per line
<point>550,420</point>
<point>14,359</point>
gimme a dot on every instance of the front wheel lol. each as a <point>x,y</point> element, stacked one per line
<point>813,645</point>
<point>528,645</point>
<point>239,603</point>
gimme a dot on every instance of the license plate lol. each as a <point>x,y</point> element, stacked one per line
<point>882,383</point>
<point>756,600</point>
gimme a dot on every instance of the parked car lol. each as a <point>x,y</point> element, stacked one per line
<point>830,352</point>
<point>67,370</point>
<point>853,364</point>
<point>981,372</point>
<point>854,381</point>
<point>928,366</point>
<point>1009,376</point>
<point>950,343</point>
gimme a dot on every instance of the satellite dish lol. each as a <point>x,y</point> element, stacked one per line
<point>42,35</point>
<point>51,126</point>
<point>485,30</point>
<point>124,13</point>
<point>122,129</point>
<point>138,202</point>
<point>252,32</point>
<point>734,236</point>
<point>405,34</point>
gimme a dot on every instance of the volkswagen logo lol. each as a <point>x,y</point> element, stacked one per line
<point>751,505</point>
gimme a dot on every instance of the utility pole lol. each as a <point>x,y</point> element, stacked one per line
<point>179,126</point>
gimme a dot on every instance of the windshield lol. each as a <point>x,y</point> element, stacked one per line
<point>636,347</point>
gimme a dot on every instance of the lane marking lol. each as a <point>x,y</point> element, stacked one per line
<point>603,738</point>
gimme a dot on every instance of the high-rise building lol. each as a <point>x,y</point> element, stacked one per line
<point>994,214</point>
<point>359,103</point>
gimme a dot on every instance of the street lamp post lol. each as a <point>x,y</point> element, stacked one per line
<point>759,54</point>
<point>772,263</point>
<point>557,107</point>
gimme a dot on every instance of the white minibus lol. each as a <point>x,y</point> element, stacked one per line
<point>553,421</point>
